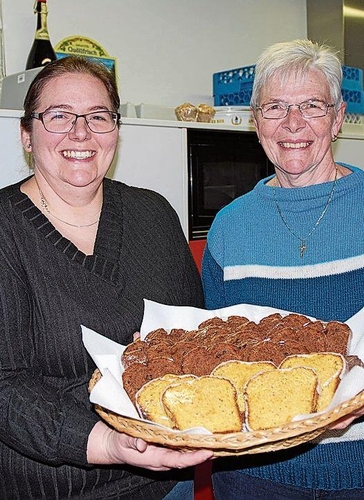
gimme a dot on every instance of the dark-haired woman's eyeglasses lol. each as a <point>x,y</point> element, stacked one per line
<point>62,122</point>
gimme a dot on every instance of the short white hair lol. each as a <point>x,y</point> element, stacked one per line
<point>298,56</point>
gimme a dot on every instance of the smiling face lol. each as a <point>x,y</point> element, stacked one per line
<point>80,158</point>
<point>300,148</point>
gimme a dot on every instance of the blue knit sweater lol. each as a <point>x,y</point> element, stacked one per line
<point>251,257</point>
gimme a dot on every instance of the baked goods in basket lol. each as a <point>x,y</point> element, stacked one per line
<point>261,398</point>
<point>138,374</point>
<point>274,397</point>
<point>337,337</point>
<point>234,349</point>
<point>232,444</point>
<point>329,368</point>
<point>208,402</point>
<point>239,372</point>
<point>149,398</point>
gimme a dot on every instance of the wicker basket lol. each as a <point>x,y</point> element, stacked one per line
<point>237,443</point>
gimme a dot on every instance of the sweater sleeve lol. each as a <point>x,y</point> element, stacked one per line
<point>37,419</point>
<point>213,281</point>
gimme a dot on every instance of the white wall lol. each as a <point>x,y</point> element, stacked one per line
<point>167,50</point>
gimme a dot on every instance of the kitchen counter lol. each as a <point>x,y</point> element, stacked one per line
<point>350,130</point>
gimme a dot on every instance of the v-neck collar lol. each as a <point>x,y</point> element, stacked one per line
<point>104,262</point>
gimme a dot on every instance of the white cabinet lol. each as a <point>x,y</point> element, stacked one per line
<point>13,165</point>
<point>350,150</point>
<point>155,157</point>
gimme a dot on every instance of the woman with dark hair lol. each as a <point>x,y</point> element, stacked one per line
<point>78,248</point>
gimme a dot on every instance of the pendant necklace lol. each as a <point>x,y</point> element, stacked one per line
<point>45,207</point>
<point>303,241</point>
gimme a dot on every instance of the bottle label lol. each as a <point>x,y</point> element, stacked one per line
<point>42,32</point>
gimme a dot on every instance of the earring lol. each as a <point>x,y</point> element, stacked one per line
<point>334,139</point>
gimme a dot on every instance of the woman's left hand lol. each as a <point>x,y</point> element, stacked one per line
<point>141,454</point>
<point>107,446</point>
<point>345,421</point>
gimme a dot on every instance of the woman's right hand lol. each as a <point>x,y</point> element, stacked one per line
<point>345,421</point>
<point>107,446</point>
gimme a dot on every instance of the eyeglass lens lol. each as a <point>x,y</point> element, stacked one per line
<point>62,122</point>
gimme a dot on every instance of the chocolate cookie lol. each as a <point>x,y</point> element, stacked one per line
<point>313,337</point>
<point>179,350</point>
<point>134,377</point>
<point>294,320</point>
<point>223,352</point>
<point>211,322</point>
<point>234,322</point>
<point>136,352</point>
<point>269,322</point>
<point>156,335</point>
<point>159,349</point>
<point>284,333</point>
<point>177,334</point>
<point>198,361</point>
<point>337,337</point>
<point>275,352</point>
<point>162,365</point>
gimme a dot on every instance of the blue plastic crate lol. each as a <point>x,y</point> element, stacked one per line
<point>233,99</point>
<point>352,78</point>
<point>354,100</point>
<point>233,86</point>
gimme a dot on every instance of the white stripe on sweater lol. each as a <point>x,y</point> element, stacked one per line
<point>294,272</point>
<point>351,433</point>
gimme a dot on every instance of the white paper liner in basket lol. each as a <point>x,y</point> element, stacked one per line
<point>108,393</point>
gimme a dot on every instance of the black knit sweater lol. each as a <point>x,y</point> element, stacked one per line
<point>48,289</point>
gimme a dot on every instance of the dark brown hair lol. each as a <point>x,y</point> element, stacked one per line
<point>64,66</point>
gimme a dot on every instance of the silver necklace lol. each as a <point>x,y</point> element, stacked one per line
<point>45,207</point>
<point>303,241</point>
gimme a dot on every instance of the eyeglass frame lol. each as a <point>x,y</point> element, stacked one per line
<point>116,118</point>
<point>289,106</point>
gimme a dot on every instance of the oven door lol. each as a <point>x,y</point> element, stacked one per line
<point>222,166</point>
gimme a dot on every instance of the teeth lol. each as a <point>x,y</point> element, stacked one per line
<point>296,145</point>
<point>80,155</point>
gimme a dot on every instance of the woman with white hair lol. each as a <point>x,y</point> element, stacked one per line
<point>295,242</point>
